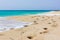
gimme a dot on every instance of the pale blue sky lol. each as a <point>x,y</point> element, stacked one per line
<point>29,4</point>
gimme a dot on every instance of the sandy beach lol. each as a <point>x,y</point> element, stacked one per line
<point>43,27</point>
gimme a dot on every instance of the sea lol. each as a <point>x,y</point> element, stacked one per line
<point>21,12</point>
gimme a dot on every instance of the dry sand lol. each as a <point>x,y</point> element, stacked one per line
<point>43,28</point>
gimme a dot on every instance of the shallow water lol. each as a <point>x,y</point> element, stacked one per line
<point>21,12</point>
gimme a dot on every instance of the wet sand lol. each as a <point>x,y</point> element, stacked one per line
<point>43,28</point>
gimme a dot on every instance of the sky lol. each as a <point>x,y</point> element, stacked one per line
<point>29,4</point>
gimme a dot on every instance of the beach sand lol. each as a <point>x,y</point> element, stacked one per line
<point>42,28</point>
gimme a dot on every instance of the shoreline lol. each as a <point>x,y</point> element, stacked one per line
<point>28,16</point>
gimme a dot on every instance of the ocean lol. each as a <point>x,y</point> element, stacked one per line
<point>21,12</point>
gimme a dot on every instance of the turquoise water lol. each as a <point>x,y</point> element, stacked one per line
<point>21,12</point>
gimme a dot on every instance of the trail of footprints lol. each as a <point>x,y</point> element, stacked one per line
<point>51,21</point>
<point>40,27</point>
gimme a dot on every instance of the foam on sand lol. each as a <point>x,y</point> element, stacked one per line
<point>8,24</point>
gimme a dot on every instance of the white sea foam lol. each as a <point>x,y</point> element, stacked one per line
<point>5,24</point>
